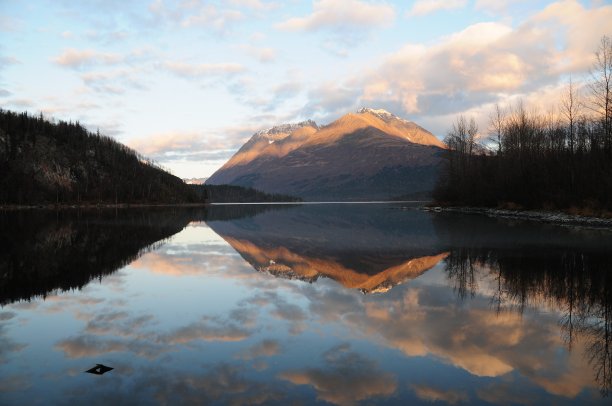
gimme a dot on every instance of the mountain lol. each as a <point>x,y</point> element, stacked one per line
<point>194,181</point>
<point>368,155</point>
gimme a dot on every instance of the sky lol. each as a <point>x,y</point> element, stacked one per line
<point>186,83</point>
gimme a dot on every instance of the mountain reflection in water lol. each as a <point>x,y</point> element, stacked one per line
<point>460,308</point>
<point>370,250</point>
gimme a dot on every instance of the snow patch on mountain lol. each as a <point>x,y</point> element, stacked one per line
<point>279,132</point>
<point>382,114</point>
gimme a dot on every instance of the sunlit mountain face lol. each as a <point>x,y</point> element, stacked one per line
<point>264,304</point>
<point>368,155</point>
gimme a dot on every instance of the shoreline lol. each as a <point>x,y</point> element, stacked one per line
<point>16,207</point>
<point>542,216</point>
<point>53,206</point>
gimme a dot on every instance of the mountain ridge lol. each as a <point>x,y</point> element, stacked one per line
<point>370,154</point>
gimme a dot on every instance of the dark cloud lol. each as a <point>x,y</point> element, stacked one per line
<point>266,348</point>
<point>347,378</point>
<point>207,329</point>
<point>432,394</point>
<point>4,316</point>
<point>8,347</point>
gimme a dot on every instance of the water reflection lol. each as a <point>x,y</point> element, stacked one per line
<point>361,248</point>
<point>43,251</point>
<point>576,283</point>
<point>462,308</point>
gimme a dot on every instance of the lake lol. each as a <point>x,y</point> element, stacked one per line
<point>295,304</point>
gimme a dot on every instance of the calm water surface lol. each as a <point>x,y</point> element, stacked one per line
<point>339,304</point>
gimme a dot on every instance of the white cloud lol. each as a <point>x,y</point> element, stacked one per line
<point>496,6</point>
<point>254,4</point>
<point>210,16</point>
<point>78,59</point>
<point>342,14</point>
<point>472,68</point>
<point>8,60</point>
<point>262,54</point>
<point>115,81</point>
<point>424,7</point>
<point>195,14</point>
<point>203,69</point>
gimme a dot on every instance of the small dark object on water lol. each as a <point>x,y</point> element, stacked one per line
<point>99,369</point>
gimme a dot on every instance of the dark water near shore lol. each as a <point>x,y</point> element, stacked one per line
<point>272,304</point>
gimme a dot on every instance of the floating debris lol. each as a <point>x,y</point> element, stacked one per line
<point>99,369</point>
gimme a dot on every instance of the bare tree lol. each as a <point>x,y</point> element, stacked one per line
<point>496,126</point>
<point>570,108</point>
<point>462,137</point>
<point>601,87</point>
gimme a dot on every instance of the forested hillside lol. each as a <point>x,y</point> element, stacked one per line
<point>556,160</point>
<point>44,162</point>
<point>238,194</point>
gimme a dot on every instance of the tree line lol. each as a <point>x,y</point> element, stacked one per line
<point>43,162</point>
<point>64,163</point>
<point>238,194</point>
<point>558,160</point>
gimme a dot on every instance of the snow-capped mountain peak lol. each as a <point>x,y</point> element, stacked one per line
<point>279,132</point>
<point>381,113</point>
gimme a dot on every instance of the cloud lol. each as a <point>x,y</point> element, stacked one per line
<point>262,54</point>
<point>503,393</point>
<point>7,315</point>
<point>347,379</point>
<point>424,7</point>
<point>89,346</point>
<point>331,100</point>
<point>482,64</point>
<point>104,37</point>
<point>5,93</point>
<point>342,15</point>
<point>184,146</point>
<point>190,14</point>
<point>431,394</point>
<point>118,324</point>
<point>8,347</point>
<point>7,61</point>
<point>14,383</point>
<point>217,144</point>
<point>495,6</point>
<point>219,384</point>
<point>266,348</point>
<point>210,16</point>
<point>188,70</point>
<point>254,4</point>
<point>79,59</point>
<point>206,330</point>
<point>115,81</point>
<point>20,103</point>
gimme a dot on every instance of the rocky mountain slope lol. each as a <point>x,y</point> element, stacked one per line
<point>368,155</point>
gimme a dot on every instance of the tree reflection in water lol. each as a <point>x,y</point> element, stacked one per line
<point>576,283</point>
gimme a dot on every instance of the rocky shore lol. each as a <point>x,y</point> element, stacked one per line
<point>549,217</point>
